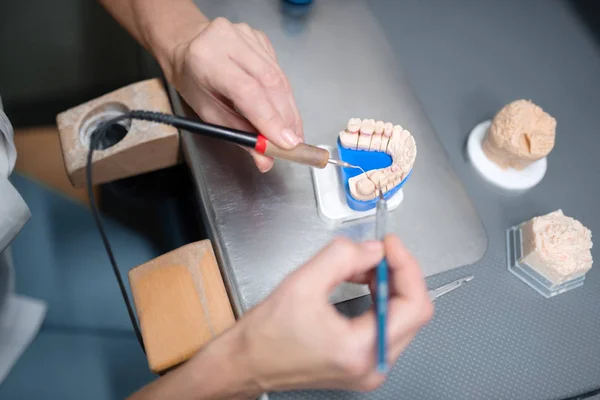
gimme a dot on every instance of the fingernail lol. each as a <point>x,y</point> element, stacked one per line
<point>373,246</point>
<point>290,137</point>
<point>263,168</point>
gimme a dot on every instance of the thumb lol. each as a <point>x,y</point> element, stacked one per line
<point>339,261</point>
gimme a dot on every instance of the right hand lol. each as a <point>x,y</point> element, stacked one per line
<point>229,74</point>
<point>296,339</point>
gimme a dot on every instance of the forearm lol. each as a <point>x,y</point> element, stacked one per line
<point>221,371</point>
<point>158,25</point>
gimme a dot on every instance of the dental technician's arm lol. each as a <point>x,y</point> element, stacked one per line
<point>220,371</point>
<point>218,68</point>
<point>159,26</point>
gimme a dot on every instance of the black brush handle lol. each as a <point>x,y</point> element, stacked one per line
<point>302,153</point>
<point>246,139</point>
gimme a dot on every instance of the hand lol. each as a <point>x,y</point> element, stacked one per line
<point>229,67</point>
<point>296,339</point>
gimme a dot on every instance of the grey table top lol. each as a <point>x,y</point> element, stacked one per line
<point>495,338</point>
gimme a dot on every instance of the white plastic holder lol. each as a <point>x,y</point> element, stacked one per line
<point>331,199</point>
<point>509,178</point>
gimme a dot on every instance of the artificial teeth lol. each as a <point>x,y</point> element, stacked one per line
<point>354,125</point>
<point>367,127</point>
<point>388,128</point>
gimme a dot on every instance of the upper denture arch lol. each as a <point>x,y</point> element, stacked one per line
<point>371,135</point>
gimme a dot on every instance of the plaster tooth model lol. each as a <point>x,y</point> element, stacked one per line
<point>520,134</point>
<point>384,144</point>
<point>396,130</point>
<point>391,179</point>
<point>361,187</point>
<point>375,142</point>
<point>354,125</point>
<point>379,125</point>
<point>557,246</point>
<point>403,150</point>
<point>398,173</point>
<point>379,178</point>
<point>364,141</point>
<point>367,127</point>
<point>380,137</point>
<point>388,128</point>
<point>349,139</point>
<point>366,187</point>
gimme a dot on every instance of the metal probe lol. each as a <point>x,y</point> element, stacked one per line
<point>343,164</point>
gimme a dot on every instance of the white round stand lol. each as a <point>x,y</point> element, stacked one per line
<point>509,178</point>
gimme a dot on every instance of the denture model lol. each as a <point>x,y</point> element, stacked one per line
<point>556,246</point>
<point>385,151</point>
<point>520,134</point>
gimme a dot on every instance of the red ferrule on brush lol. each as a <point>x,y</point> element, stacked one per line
<point>261,144</point>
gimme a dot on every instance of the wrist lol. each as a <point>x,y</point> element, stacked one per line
<point>224,369</point>
<point>171,30</point>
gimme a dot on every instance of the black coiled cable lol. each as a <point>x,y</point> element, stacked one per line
<point>96,143</point>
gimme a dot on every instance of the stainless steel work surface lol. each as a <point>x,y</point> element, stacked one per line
<point>340,66</point>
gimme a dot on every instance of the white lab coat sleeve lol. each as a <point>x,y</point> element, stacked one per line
<point>14,213</point>
<point>20,316</point>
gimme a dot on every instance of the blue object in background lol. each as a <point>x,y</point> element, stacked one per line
<point>367,160</point>
<point>295,15</point>
<point>299,1</point>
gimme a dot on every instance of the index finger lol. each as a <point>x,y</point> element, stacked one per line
<point>264,42</point>
<point>264,100</point>
<point>339,261</point>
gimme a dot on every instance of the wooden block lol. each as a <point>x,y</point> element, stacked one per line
<point>146,147</point>
<point>39,158</point>
<point>181,303</point>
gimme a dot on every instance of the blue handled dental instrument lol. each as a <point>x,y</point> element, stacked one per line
<point>382,291</point>
<point>381,298</point>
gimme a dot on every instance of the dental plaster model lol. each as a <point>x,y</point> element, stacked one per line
<point>371,135</point>
<point>557,246</point>
<point>521,133</point>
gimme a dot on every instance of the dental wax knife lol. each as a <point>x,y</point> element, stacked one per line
<point>381,297</point>
<point>302,153</point>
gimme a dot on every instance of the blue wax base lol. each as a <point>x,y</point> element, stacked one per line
<point>367,160</point>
